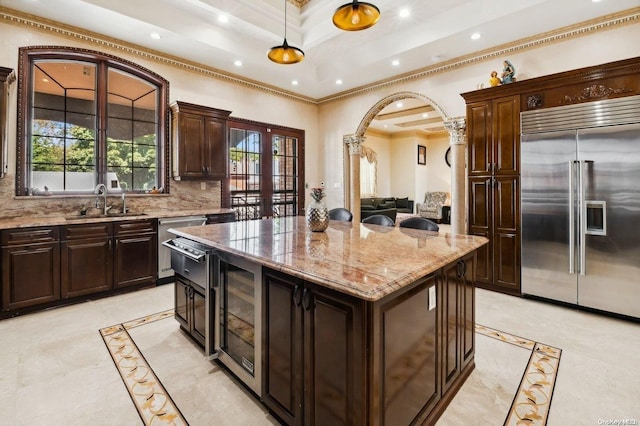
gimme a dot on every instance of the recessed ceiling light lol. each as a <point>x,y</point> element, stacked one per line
<point>404,13</point>
<point>475,36</point>
<point>395,63</point>
<point>237,63</point>
<point>338,81</point>
<point>223,18</point>
<point>45,80</point>
<point>385,126</point>
<point>294,82</point>
<point>596,1</point>
<point>425,115</point>
<point>155,36</point>
<point>399,105</point>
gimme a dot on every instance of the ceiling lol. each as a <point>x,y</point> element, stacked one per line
<point>433,32</point>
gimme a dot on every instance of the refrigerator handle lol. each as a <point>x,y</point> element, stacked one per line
<point>572,241</point>
<point>582,220</point>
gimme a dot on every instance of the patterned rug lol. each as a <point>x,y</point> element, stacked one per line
<point>155,406</point>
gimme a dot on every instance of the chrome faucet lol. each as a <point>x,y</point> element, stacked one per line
<point>101,189</point>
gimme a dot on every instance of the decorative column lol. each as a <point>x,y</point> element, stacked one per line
<point>354,143</point>
<point>457,127</point>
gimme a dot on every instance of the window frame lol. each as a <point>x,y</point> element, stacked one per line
<point>103,61</point>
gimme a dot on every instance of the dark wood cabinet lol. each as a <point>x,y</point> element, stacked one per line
<point>199,142</point>
<point>87,259</point>
<point>493,129</point>
<point>49,266</point>
<point>457,311</point>
<point>30,267</point>
<point>190,306</point>
<point>405,364</point>
<point>135,253</point>
<point>313,353</point>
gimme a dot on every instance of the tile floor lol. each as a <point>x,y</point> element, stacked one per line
<point>55,368</point>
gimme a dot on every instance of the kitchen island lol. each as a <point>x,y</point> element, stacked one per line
<point>361,324</point>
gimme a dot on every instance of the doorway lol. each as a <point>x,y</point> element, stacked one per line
<point>266,170</point>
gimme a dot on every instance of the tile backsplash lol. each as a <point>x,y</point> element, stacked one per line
<point>183,195</point>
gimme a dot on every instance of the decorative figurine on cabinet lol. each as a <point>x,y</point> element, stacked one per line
<point>508,73</point>
<point>494,80</point>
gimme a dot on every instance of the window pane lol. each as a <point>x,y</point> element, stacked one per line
<point>132,135</point>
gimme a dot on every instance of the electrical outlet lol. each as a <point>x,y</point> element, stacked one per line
<point>203,185</point>
<point>432,298</point>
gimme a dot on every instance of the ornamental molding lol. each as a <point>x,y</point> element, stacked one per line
<point>387,100</point>
<point>354,143</point>
<point>457,128</point>
<point>595,91</point>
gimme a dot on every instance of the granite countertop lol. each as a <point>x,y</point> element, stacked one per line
<point>366,261</point>
<point>75,219</point>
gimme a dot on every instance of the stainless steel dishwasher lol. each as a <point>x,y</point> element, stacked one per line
<point>165,273</point>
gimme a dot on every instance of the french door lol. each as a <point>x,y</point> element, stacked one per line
<point>266,170</point>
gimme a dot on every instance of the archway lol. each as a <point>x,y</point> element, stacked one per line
<point>456,128</point>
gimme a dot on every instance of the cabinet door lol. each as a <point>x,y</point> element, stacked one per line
<point>30,275</point>
<point>479,135</point>
<point>216,148</point>
<point>135,260</point>
<point>181,297</point>
<point>282,349</point>
<point>334,357</point>
<point>467,311</point>
<point>409,361</point>
<point>87,266</point>
<point>450,323</point>
<point>506,135</point>
<point>197,313</point>
<point>193,151</point>
<point>506,233</point>
<point>481,223</point>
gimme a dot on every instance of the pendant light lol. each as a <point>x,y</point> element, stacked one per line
<point>285,54</point>
<point>356,16</point>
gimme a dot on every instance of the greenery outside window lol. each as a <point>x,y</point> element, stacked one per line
<point>87,118</point>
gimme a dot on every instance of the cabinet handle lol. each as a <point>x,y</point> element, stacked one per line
<point>306,299</point>
<point>460,269</point>
<point>297,297</point>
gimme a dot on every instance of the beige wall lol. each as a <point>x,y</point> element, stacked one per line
<point>187,86</point>
<point>343,116</point>
<point>324,125</point>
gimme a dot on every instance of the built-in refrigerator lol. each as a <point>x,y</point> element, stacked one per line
<point>580,175</point>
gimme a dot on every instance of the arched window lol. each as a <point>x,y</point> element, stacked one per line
<point>87,118</point>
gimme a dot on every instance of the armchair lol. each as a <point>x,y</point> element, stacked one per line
<point>432,206</point>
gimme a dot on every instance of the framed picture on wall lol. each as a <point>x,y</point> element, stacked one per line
<point>422,154</point>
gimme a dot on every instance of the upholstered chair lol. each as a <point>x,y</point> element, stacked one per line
<point>432,206</point>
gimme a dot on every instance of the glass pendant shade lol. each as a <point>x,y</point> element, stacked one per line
<point>356,16</point>
<point>285,54</point>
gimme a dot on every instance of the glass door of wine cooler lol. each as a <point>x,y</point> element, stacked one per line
<point>238,320</point>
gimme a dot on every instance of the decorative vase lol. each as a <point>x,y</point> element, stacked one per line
<point>317,213</point>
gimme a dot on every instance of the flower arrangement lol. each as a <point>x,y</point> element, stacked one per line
<point>317,193</point>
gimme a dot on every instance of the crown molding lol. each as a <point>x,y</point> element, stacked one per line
<point>603,23</point>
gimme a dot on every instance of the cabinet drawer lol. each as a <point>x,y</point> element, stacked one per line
<point>135,227</point>
<point>92,230</point>
<point>21,236</point>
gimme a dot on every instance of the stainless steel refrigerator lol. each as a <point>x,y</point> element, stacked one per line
<point>580,175</point>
